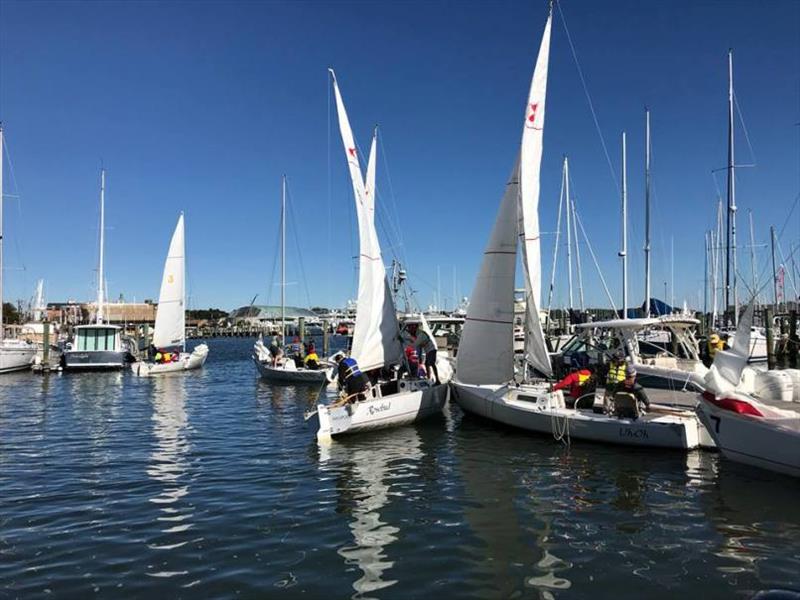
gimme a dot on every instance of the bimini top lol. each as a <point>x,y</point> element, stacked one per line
<point>620,324</point>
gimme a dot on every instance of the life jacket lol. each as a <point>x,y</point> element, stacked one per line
<point>616,372</point>
<point>349,368</point>
<point>312,357</point>
<point>714,348</point>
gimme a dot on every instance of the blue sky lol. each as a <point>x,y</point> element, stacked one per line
<point>202,107</point>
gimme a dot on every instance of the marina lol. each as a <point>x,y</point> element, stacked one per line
<point>555,425</point>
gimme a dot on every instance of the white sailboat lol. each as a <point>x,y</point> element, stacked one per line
<point>15,355</point>
<point>170,329</point>
<point>485,382</point>
<point>763,433</point>
<point>376,340</point>
<point>284,369</point>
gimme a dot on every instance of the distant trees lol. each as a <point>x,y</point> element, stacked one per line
<point>10,314</point>
<point>206,314</point>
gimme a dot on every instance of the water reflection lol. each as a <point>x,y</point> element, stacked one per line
<point>168,464</point>
<point>96,402</point>
<point>367,472</point>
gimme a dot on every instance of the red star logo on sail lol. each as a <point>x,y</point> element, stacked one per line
<point>352,152</point>
<point>531,120</point>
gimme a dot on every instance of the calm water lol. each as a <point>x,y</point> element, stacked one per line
<point>210,484</point>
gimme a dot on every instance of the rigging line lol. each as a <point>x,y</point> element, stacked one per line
<point>275,253</point>
<point>396,220</point>
<point>290,203</point>
<point>330,191</point>
<point>588,97</point>
<point>744,128</point>
<point>786,272</point>
<point>596,264</point>
<point>19,197</point>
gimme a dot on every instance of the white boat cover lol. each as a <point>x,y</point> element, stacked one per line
<point>170,329</point>
<point>376,336</point>
<point>486,349</point>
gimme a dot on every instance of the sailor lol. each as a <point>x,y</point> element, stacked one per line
<point>158,357</point>
<point>580,382</point>
<point>275,350</point>
<point>614,378</point>
<point>350,377</point>
<point>427,353</point>
<point>410,365</point>
<point>715,344</point>
<point>312,359</point>
<point>630,397</point>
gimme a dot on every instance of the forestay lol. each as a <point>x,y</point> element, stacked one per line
<point>170,329</point>
<point>376,339</point>
<point>486,349</point>
<point>530,170</point>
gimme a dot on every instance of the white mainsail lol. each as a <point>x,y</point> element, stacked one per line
<point>530,170</point>
<point>486,349</point>
<point>170,330</point>
<point>376,339</point>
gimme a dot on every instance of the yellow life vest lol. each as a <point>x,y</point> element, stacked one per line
<point>616,372</point>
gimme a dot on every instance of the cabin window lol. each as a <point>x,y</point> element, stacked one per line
<point>94,339</point>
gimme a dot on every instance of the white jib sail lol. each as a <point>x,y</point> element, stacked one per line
<point>486,349</point>
<point>376,335</point>
<point>726,371</point>
<point>170,330</point>
<point>530,169</point>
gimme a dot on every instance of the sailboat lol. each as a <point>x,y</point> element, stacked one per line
<point>759,432</point>
<point>99,345</point>
<point>170,330</point>
<point>377,344</point>
<point>486,382</point>
<point>284,370</point>
<point>15,355</point>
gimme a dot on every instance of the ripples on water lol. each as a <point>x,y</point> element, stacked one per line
<point>210,484</point>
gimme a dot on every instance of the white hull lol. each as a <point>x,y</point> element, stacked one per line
<point>535,408</point>
<point>186,362</point>
<point>280,374</point>
<point>16,355</point>
<point>768,443</point>
<point>413,401</point>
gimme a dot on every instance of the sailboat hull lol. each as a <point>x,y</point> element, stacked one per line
<point>297,376</point>
<point>186,362</point>
<point>770,444</point>
<point>412,401</point>
<point>16,355</point>
<point>94,360</point>
<point>535,408</point>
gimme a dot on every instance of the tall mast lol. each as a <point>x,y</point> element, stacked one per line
<point>753,255</point>
<point>624,252</point>
<point>555,248</point>
<point>1,231</point>
<point>730,270</point>
<point>283,260</point>
<point>100,278</point>
<point>774,270</point>
<point>647,213</point>
<point>568,206</point>
<point>577,255</point>
<point>706,244</point>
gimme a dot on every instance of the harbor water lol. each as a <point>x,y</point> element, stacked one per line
<point>212,484</point>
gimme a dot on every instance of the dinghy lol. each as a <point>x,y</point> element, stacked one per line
<point>759,432</point>
<point>486,381</point>
<point>170,330</point>
<point>284,369</point>
<point>377,343</point>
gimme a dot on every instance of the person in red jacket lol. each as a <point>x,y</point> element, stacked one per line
<point>578,382</point>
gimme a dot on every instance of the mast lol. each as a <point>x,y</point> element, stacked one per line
<point>753,254</point>
<point>1,231</point>
<point>624,252</point>
<point>555,247</point>
<point>100,278</point>
<point>568,205</point>
<point>647,213</point>
<point>706,245</point>
<point>774,269</point>
<point>577,255</point>
<point>283,260</point>
<point>730,269</point>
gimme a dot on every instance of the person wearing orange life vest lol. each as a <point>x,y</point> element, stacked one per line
<point>575,382</point>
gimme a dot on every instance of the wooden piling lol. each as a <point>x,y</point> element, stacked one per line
<point>770,338</point>
<point>325,339</point>
<point>46,344</point>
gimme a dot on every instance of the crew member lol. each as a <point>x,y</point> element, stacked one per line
<point>579,382</point>
<point>312,359</point>
<point>630,397</point>
<point>715,344</point>
<point>427,353</point>
<point>614,378</point>
<point>275,350</point>
<point>350,377</point>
